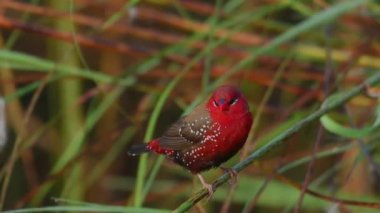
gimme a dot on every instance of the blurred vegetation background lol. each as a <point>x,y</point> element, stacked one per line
<point>84,80</point>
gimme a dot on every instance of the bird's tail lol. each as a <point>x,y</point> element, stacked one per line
<point>138,150</point>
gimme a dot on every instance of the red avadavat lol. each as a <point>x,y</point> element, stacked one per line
<point>207,137</point>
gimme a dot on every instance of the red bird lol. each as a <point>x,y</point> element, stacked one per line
<point>207,137</point>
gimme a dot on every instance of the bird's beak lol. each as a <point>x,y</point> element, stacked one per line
<point>223,105</point>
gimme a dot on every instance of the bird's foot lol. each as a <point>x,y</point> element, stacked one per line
<point>232,173</point>
<point>210,187</point>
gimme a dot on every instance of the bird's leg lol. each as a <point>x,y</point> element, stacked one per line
<point>232,173</point>
<point>209,187</point>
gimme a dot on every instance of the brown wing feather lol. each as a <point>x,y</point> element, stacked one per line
<point>186,132</point>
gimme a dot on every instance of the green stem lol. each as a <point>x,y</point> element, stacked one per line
<point>141,171</point>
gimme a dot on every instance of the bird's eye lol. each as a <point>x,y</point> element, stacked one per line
<point>233,101</point>
<point>216,103</point>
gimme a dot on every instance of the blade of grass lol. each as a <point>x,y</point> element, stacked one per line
<point>110,209</point>
<point>142,166</point>
<point>22,91</point>
<point>107,160</point>
<point>43,65</point>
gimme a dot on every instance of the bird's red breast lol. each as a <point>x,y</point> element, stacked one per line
<point>210,135</point>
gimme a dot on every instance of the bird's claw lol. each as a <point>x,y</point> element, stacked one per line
<point>210,188</point>
<point>232,173</point>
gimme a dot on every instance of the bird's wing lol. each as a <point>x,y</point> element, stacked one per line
<point>186,132</point>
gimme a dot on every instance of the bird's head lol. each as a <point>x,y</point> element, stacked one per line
<point>227,100</point>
